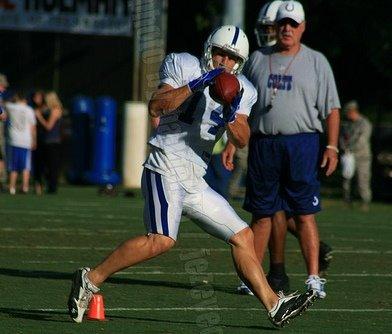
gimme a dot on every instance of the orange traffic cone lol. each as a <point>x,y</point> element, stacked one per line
<point>96,310</point>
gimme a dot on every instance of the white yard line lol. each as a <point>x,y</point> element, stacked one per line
<point>227,249</point>
<point>124,230</point>
<point>97,231</point>
<point>164,309</point>
<point>158,272</point>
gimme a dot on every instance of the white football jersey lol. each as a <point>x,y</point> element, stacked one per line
<point>191,132</point>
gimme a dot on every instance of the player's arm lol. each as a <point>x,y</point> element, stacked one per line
<point>154,122</point>
<point>330,156</point>
<point>237,126</point>
<point>238,131</point>
<point>167,99</point>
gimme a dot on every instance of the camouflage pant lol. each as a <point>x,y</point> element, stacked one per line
<point>3,171</point>
<point>363,176</point>
<point>241,164</point>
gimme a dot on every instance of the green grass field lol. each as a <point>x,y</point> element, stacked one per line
<point>44,239</point>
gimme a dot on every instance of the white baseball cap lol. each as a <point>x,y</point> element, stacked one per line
<point>292,10</point>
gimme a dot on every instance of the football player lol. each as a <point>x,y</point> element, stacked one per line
<point>190,124</point>
<point>265,29</point>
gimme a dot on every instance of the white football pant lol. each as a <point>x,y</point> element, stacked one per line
<point>166,199</point>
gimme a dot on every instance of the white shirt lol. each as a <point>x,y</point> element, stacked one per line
<point>21,118</point>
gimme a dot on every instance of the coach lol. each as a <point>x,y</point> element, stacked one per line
<point>296,93</point>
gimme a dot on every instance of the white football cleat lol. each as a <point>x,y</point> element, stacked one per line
<point>316,284</point>
<point>82,291</point>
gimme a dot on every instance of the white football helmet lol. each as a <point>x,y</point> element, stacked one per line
<point>265,25</point>
<point>231,39</point>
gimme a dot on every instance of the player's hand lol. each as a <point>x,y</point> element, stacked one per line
<point>330,161</point>
<point>228,156</point>
<point>230,111</point>
<point>205,80</point>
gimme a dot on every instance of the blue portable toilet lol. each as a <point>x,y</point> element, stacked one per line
<point>104,143</point>
<point>82,113</point>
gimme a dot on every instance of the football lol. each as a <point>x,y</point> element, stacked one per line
<point>225,87</point>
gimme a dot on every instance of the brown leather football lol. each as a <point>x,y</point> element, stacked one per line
<point>224,88</point>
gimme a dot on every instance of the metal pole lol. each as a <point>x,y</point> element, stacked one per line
<point>136,50</point>
<point>234,13</point>
<point>149,35</point>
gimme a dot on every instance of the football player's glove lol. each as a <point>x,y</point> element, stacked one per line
<point>230,111</point>
<point>205,80</point>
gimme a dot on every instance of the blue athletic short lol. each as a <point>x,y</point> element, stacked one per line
<point>18,159</point>
<point>283,174</point>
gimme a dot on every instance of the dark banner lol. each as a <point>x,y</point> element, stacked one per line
<point>96,17</point>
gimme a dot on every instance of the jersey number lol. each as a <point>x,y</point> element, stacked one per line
<point>216,118</point>
<point>186,116</point>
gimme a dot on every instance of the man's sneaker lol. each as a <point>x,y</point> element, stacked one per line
<point>325,257</point>
<point>316,284</point>
<point>81,293</point>
<point>279,283</point>
<point>244,290</point>
<point>288,307</point>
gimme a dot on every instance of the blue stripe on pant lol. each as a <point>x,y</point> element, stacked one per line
<point>157,203</point>
<point>164,204</point>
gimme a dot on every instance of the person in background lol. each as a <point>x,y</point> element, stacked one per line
<point>50,120</point>
<point>21,140</point>
<point>266,36</point>
<point>296,92</point>
<point>39,106</point>
<point>3,172</point>
<point>236,184</point>
<point>265,33</point>
<point>217,176</point>
<point>355,138</point>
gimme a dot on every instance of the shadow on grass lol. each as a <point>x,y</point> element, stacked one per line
<point>53,316</point>
<point>221,324</point>
<point>113,280</point>
<point>37,315</point>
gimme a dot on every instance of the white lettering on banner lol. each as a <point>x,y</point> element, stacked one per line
<point>97,17</point>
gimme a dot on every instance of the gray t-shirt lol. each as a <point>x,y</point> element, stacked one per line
<point>306,91</point>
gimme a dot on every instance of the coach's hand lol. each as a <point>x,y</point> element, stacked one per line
<point>330,161</point>
<point>205,80</point>
<point>229,112</point>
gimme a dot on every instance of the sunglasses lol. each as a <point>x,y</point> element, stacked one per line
<point>288,21</point>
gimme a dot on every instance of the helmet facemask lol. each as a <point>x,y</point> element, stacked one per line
<point>266,34</point>
<point>213,49</point>
<point>265,30</point>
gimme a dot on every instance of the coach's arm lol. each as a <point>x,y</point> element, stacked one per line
<point>330,155</point>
